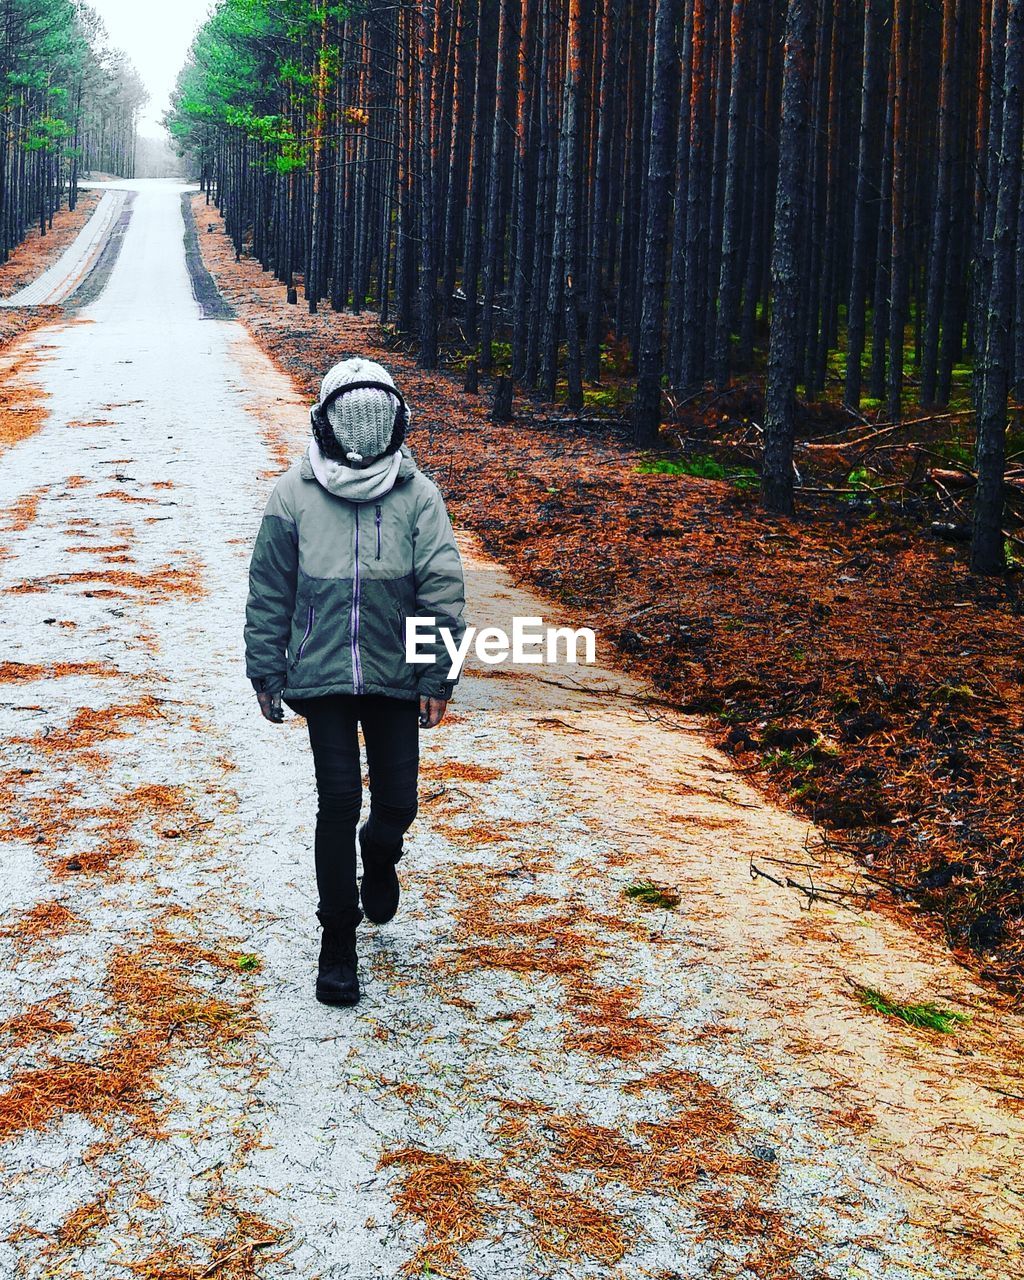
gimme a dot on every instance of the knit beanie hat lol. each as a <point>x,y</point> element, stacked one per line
<point>363,420</point>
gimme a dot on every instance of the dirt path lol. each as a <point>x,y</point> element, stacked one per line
<point>61,279</point>
<point>543,1079</point>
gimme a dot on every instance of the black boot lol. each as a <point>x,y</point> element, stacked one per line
<point>337,981</point>
<point>380,889</point>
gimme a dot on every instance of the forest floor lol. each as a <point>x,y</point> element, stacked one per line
<point>547,1076</point>
<point>852,665</point>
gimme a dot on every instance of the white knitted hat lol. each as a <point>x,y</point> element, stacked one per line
<point>362,420</point>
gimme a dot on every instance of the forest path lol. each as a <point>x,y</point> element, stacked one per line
<point>543,1078</point>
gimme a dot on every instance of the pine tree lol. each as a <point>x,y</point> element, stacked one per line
<point>790,205</point>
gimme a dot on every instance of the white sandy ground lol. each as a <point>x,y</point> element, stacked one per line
<point>883,1151</point>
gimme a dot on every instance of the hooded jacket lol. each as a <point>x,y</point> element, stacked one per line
<point>333,581</point>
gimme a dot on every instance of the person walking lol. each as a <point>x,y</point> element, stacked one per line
<point>355,540</point>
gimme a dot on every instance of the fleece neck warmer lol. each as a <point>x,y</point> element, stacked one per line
<point>364,484</point>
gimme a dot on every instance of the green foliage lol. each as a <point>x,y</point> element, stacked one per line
<point>926,1015</point>
<point>60,79</point>
<point>702,466</point>
<point>613,398</point>
<point>802,759</point>
<point>47,134</point>
<point>651,894</point>
<point>863,484</point>
<point>745,479</point>
<point>787,758</point>
<point>956,452</point>
<point>246,72</point>
<point>615,358</point>
<point>952,693</point>
<point>501,355</point>
<point>501,358</point>
<point>705,467</point>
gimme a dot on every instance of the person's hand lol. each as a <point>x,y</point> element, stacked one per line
<point>270,705</point>
<point>432,712</point>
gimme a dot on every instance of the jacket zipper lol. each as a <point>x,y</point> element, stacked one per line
<point>357,670</point>
<point>377,516</point>
<point>310,616</point>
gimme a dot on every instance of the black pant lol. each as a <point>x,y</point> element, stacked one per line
<point>391,733</point>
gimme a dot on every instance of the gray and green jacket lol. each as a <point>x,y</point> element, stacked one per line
<point>332,582</point>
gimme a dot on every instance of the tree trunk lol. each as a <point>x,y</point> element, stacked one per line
<point>987,553</point>
<point>647,405</point>
<point>726,315</point>
<point>942,213</point>
<point>429,21</point>
<point>898,265</point>
<point>864,210</point>
<point>790,202</point>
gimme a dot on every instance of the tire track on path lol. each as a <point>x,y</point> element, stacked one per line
<point>61,281</point>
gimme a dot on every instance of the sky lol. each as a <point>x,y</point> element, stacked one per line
<point>156,35</point>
